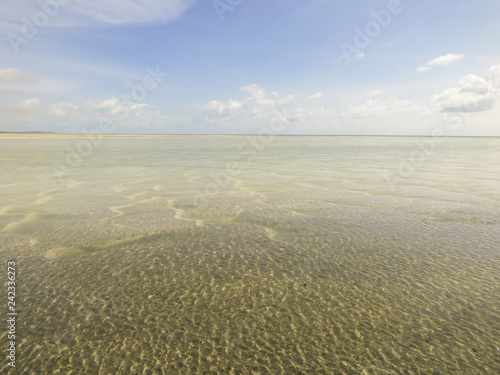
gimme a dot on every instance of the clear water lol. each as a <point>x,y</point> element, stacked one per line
<point>310,255</point>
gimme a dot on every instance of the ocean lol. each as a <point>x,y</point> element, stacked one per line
<point>253,255</point>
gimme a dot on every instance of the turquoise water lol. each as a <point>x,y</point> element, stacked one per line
<point>230,255</point>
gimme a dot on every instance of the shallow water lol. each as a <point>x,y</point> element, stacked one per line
<point>300,255</point>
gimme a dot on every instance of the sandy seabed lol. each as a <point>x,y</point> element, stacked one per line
<point>317,268</point>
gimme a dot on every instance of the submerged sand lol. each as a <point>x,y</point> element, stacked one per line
<point>304,264</point>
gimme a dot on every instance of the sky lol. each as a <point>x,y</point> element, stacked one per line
<point>366,67</point>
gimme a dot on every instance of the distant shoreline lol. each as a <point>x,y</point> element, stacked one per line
<point>47,135</point>
<point>58,135</point>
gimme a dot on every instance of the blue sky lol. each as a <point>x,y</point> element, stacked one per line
<point>402,67</point>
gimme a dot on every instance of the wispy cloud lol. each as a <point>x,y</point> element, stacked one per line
<point>444,60</point>
<point>130,11</point>
<point>78,13</point>
<point>375,108</point>
<point>357,56</point>
<point>317,95</point>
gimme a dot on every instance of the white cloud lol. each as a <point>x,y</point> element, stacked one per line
<point>225,108</point>
<point>21,116</point>
<point>359,55</point>
<point>62,109</point>
<point>14,75</point>
<point>493,75</point>
<point>30,104</point>
<point>128,117</point>
<point>317,95</point>
<point>473,93</point>
<point>252,114</point>
<point>259,105</point>
<point>69,117</point>
<point>255,111</point>
<point>114,106</point>
<point>444,60</point>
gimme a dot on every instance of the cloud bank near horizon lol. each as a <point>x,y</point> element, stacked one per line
<point>78,61</point>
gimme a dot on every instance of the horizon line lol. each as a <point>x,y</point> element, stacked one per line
<point>42,134</point>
